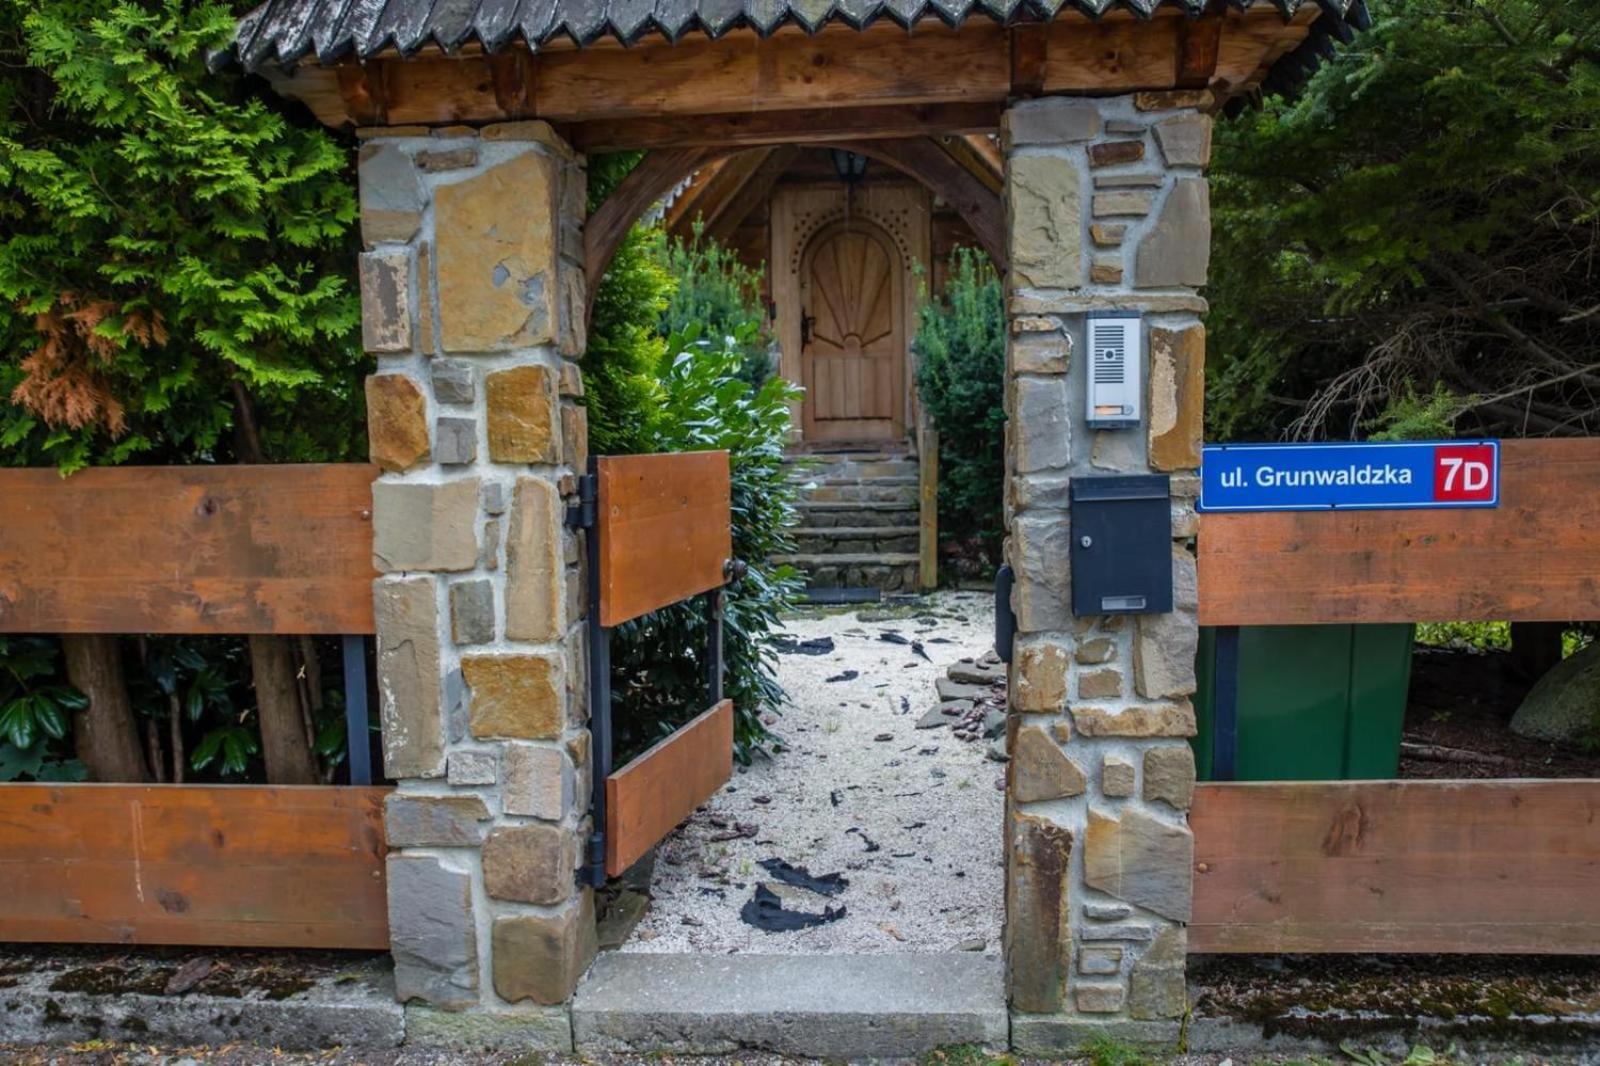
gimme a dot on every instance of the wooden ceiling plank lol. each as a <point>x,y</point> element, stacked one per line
<point>809,125</point>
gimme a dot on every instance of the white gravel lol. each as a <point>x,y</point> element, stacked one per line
<point>929,801</point>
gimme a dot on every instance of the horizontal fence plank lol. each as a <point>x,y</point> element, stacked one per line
<point>665,530</point>
<point>187,549</point>
<point>1530,559</point>
<point>653,794</point>
<point>216,865</point>
<point>1397,866</point>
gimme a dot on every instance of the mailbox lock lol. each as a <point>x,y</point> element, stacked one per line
<point>1086,540</point>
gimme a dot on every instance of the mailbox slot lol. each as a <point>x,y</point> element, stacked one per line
<point>1121,544</point>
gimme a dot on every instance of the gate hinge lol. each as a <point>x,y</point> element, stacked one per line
<point>582,514</point>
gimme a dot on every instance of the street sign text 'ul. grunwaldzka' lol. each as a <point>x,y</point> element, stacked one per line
<point>1357,477</point>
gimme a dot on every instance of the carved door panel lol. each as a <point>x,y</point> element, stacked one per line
<point>853,340</point>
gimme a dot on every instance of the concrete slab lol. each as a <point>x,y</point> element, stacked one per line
<point>522,1028</point>
<point>1055,1036</point>
<point>823,1006</point>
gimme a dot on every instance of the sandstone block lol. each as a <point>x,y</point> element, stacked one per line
<point>457,441</point>
<point>1108,234</point>
<point>1040,353</point>
<point>575,435</point>
<point>1111,153</point>
<point>1177,250</point>
<point>469,767</point>
<point>1164,645</point>
<point>425,527</point>
<point>1142,860</point>
<point>425,332</point>
<point>1106,271</point>
<point>515,696</point>
<point>1040,677</point>
<point>1157,986</point>
<point>1177,397</point>
<point>397,422</point>
<point>454,381</point>
<point>1096,650</point>
<point>1098,999</point>
<point>1169,776</point>
<point>1040,770</point>
<point>1122,202</point>
<point>1103,684</point>
<point>1116,777</point>
<point>1044,197</point>
<point>472,611</point>
<point>497,257</point>
<point>391,194</point>
<point>385,279</point>
<point>438,161</point>
<point>539,782</point>
<point>434,821</point>
<point>522,415</point>
<point>406,614</point>
<point>541,957</point>
<point>1037,930</point>
<point>1040,553</point>
<point>535,573</point>
<point>1053,120</point>
<point>432,935</point>
<point>1041,424</point>
<point>1185,140</point>
<point>1099,959</point>
<point>1174,719</point>
<point>1173,99</point>
<point>530,863</point>
<point>571,380</point>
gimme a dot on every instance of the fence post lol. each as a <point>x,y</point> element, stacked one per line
<point>1107,208</point>
<point>928,500</point>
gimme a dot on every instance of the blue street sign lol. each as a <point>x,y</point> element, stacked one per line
<point>1359,477</point>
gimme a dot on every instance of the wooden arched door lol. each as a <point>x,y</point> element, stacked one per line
<point>853,335</point>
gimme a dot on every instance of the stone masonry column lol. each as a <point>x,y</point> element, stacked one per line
<point>1107,210</point>
<point>472,299</point>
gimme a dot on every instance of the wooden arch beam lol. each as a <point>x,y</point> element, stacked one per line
<point>920,158</point>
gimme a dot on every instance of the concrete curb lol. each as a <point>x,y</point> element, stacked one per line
<point>358,1011</point>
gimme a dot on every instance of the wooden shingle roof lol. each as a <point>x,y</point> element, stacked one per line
<point>286,33</point>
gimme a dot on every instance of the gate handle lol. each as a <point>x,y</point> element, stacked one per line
<point>734,569</point>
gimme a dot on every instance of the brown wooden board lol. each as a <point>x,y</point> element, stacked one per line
<point>653,794</point>
<point>665,530</point>
<point>1401,866</point>
<point>1530,559</point>
<point>225,865</point>
<point>187,549</point>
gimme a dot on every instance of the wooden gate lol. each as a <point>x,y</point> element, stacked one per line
<point>660,531</point>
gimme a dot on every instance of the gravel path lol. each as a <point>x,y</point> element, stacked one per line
<point>910,817</point>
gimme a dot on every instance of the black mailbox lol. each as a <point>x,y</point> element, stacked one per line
<point>1121,545</point>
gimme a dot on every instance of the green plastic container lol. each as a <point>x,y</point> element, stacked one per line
<point>1315,703</point>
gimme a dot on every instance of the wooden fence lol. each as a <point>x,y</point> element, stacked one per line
<point>1369,866</point>
<point>1436,866</point>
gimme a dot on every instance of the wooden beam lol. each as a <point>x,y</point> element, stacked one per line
<point>1403,866</point>
<point>754,192</point>
<point>649,181</point>
<point>806,126</point>
<point>223,865</point>
<point>362,91</point>
<point>1199,47</point>
<point>978,161</point>
<point>928,162</point>
<point>187,549</point>
<point>1030,46</point>
<point>692,193</point>
<point>512,73</point>
<point>837,69</point>
<point>1529,560</point>
<point>712,198</point>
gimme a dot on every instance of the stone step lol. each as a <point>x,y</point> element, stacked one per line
<point>816,515</point>
<point>882,491</point>
<point>817,1006</point>
<point>890,572</point>
<point>838,540</point>
<point>854,471</point>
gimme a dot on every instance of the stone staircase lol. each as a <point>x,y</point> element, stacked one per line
<point>858,520</point>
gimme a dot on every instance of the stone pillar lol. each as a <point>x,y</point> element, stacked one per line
<point>1107,210</point>
<point>472,299</point>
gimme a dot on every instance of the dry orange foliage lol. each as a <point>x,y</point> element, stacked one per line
<point>65,381</point>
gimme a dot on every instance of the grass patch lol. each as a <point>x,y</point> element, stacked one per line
<point>1109,1051</point>
<point>965,1055</point>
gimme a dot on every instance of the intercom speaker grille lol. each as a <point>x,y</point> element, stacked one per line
<point>1110,353</point>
